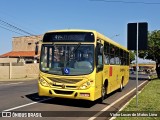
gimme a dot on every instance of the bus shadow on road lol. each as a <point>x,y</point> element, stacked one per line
<point>35,97</point>
<point>71,102</point>
<point>61,101</point>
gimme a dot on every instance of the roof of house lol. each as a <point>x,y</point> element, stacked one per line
<point>19,54</point>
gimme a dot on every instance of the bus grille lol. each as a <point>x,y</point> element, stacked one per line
<point>63,92</point>
<point>69,81</point>
<point>67,86</point>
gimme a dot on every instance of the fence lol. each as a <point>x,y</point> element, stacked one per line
<point>14,70</point>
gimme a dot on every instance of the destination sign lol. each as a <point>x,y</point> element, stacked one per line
<point>69,37</point>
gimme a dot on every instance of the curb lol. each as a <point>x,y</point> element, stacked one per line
<point>18,79</point>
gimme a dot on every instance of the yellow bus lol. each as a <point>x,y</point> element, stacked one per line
<point>81,64</point>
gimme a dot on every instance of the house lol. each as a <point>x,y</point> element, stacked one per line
<point>23,48</point>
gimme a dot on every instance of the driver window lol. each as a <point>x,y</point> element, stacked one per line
<point>100,62</point>
<point>99,57</point>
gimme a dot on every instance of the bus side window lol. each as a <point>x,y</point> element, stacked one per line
<point>112,55</point>
<point>124,58</point>
<point>121,57</point>
<point>99,57</point>
<point>117,57</point>
<point>127,58</point>
<point>106,53</point>
<point>100,62</point>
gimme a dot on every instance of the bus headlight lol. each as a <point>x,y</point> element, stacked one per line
<point>43,82</point>
<point>85,85</point>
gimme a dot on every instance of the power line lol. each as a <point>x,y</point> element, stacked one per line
<point>15,24</point>
<point>14,27</point>
<point>126,2</point>
<point>10,30</point>
<point>8,25</point>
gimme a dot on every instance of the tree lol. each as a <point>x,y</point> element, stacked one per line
<point>153,52</point>
<point>132,56</point>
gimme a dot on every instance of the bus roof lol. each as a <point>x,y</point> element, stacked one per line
<point>99,35</point>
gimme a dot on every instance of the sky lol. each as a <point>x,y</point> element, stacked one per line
<point>104,16</point>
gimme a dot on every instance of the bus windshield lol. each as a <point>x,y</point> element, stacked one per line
<point>67,59</point>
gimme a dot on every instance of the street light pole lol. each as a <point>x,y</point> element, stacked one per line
<point>137,70</point>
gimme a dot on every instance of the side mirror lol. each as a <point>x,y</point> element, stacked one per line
<point>99,68</point>
<point>36,48</point>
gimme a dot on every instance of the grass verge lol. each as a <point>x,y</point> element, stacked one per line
<point>148,102</point>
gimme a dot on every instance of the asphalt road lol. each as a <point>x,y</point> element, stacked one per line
<point>22,97</point>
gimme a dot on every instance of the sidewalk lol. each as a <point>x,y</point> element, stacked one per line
<point>145,76</point>
<point>18,79</point>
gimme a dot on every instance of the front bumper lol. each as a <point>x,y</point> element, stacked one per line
<point>87,94</point>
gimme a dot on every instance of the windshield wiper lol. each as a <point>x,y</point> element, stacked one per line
<point>73,51</point>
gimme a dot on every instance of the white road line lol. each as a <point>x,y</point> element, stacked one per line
<point>106,108</point>
<point>21,106</point>
<point>128,102</point>
<point>11,83</point>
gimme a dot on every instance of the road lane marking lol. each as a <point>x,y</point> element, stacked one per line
<point>106,108</point>
<point>128,102</point>
<point>12,83</point>
<point>21,106</point>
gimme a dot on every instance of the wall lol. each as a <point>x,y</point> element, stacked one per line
<point>23,71</point>
<point>25,43</point>
<point>8,60</point>
<point>32,70</point>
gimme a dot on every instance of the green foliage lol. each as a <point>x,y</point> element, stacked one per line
<point>148,101</point>
<point>153,51</point>
<point>132,56</point>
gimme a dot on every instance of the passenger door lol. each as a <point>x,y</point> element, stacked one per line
<point>99,70</point>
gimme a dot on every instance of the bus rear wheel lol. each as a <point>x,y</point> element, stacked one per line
<point>121,87</point>
<point>103,94</point>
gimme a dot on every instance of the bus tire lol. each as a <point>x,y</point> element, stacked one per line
<point>121,86</point>
<point>103,94</point>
